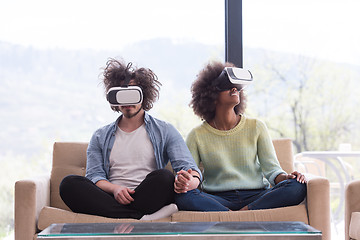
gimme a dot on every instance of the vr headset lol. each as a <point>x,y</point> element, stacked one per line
<point>232,77</point>
<point>124,95</point>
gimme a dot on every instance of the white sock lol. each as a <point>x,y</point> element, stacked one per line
<point>163,212</point>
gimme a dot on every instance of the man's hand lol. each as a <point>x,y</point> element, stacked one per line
<point>185,181</point>
<point>122,195</point>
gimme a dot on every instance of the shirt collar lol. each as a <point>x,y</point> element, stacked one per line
<point>146,120</point>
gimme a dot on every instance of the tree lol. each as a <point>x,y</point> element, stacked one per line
<point>308,100</point>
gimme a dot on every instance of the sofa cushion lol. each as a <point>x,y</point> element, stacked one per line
<point>68,158</point>
<point>354,228</point>
<point>293,213</point>
<point>50,215</point>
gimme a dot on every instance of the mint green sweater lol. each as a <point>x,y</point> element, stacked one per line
<point>241,158</point>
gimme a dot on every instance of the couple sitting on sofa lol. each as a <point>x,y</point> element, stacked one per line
<point>125,172</point>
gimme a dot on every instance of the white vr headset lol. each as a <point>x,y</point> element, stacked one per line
<point>123,96</point>
<point>232,77</point>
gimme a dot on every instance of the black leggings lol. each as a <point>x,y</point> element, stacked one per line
<point>82,196</point>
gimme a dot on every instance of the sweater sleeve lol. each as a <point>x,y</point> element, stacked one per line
<point>266,153</point>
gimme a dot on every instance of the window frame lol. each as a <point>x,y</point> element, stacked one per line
<point>233,32</point>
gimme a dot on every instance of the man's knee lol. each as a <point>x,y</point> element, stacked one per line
<point>163,175</point>
<point>68,184</point>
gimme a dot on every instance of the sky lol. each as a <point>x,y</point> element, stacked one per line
<point>108,24</point>
<point>320,28</point>
<point>317,28</point>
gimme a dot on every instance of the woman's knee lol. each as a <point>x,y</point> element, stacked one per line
<point>301,188</point>
<point>298,190</point>
<point>184,200</point>
<point>195,200</point>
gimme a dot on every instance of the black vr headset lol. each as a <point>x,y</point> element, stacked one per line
<point>232,77</point>
<point>125,95</point>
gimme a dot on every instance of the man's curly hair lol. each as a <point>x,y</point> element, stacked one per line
<point>204,95</point>
<point>116,72</point>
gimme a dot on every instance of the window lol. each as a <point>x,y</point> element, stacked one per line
<point>305,59</point>
<point>51,55</point>
<point>306,63</point>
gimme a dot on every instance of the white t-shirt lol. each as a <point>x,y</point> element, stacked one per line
<point>132,157</point>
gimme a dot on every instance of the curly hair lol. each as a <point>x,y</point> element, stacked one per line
<point>116,72</point>
<point>204,95</point>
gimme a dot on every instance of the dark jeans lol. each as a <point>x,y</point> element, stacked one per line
<point>286,193</point>
<point>82,196</point>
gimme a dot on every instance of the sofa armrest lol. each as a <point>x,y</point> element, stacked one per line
<point>318,204</point>
<point>30,197</point>
<point>352,202</point>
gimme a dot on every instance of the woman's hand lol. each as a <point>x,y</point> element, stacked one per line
<point>299,177</point>
<point>184,181</point>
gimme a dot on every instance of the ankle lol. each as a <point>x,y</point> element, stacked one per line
<point>244,208</point>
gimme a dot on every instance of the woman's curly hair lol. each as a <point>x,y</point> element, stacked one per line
<point>116,72</point>
<point>204,95</point>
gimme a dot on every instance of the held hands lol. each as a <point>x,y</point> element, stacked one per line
<point>122,195</point>
<point>185,181</point>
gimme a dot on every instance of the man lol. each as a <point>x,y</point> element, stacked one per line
<point>125,175</point>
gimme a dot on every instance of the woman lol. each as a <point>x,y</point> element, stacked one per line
<point>241,171</point>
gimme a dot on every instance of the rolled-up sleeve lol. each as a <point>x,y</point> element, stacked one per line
<point>178,153</point>
<point>95,170</point>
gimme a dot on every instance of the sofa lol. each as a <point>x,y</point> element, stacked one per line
<point>38,203</point>
<point>352,210</point>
